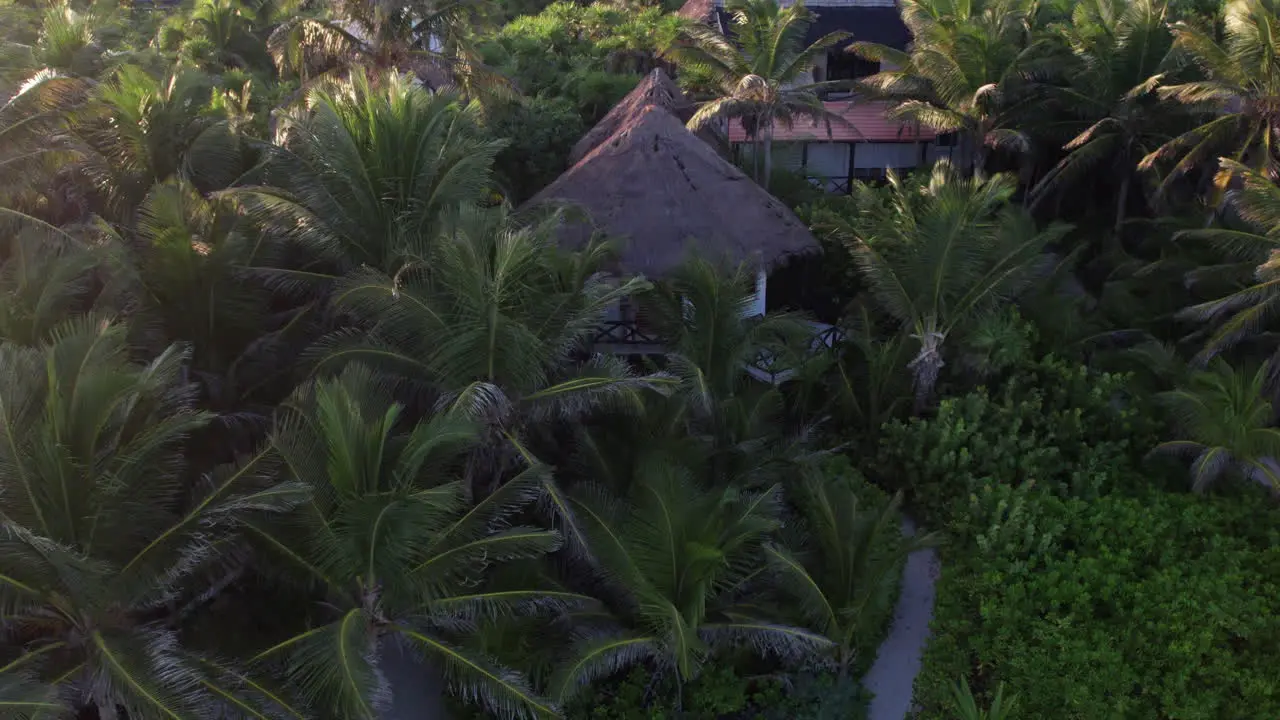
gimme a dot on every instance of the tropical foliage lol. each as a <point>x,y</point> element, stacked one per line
<point>762,77</point>
<point>303,414</point>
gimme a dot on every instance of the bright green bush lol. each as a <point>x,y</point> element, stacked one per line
<point>1162,605</point>
<point>1086,588</point>
<point>1067,429</point>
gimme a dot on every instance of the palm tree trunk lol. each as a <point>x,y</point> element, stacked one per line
<point>768,156</point>
<point>755,157</point>
<point>928,363</point>
<point>980,158</point>
<point>926,368</point>
<point>980,149</point>
<point>1121,202</point>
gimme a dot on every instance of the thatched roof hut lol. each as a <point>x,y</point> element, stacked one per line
<point>697,10</point>
<point>657,88</point>
<point>665,193</point>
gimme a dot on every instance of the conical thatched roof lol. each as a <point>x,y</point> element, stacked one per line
<point>664,192</point>
<point>655,89</point>
<point>697,10</point>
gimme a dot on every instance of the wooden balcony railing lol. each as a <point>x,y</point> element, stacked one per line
<point>620,337</point>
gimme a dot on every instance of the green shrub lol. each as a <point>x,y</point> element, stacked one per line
<point>1082,586</point>
<point>540,132</point>
<point>1059,425</point>
<point>1160,605</point>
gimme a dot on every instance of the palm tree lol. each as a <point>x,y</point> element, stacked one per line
<point>1120,52</point>
<point>1245,313</point>
<point>1242,83</point>
<point>1225,422</point>
<point>42,283</point>
<point>34,142</point>
<point>182,277</point>
<point>495,323</point>
<point>430,38</point>
<point>862,380</point>
<point>223,34</point>
<point>139,130</point>
<point>938,255</point>
<point>678,561</point>
<point>760,80</point>
<point>367,177</point>
<point>108,537</point>
<point>842,574</point>
<point>703,312</point>
<point>966,72</point>
<point>395,551</point>
<point>66,40</point>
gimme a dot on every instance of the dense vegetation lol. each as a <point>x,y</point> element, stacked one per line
<point>293,392</point>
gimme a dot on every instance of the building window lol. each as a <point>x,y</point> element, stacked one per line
<point>947,140</point>
<point>847,66</point>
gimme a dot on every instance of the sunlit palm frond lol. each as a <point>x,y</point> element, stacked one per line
<point>1225,423</point>
<point>326,187</point>
<point>935,255</point>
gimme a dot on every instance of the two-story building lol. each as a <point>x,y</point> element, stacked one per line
<point>862,142</point>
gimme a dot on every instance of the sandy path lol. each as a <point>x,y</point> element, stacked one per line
<point>898,660</point>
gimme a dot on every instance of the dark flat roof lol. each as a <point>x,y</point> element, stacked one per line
<point>881,25</point>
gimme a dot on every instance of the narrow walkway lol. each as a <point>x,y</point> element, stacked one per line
<point>417,687</point>
<point>897,663</point>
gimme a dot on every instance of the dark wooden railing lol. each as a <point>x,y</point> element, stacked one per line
<point>627,338</point>
<point>840,185</point>
<point>621,332</point>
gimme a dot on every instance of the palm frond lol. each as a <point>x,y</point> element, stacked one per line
<point>477,679</point>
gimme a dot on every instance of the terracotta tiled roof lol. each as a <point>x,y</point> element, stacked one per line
<point>861,121</point>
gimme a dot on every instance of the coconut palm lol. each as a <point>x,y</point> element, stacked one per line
<point>67,40</point>
<point>224,34</point>
<point>182,277</point>
<point>967,71</point>
<point>139,129</point>
<point>1225,424</point>
<point>495,322</point>
<point>842,573</point>
<point>1247,312</point>
<point>1240,89</point>
<point>939,254</point>
<point>678,561</point>
<point>714,344</point>
<point>367,177</point>
<point>392,545</point>
<point>862,381</point>
<point>758,77</point>
<point>42,284</point>
<point>108,536</point>
<point>34,142</point>
<point>430,38</point>
<point>1120,52</point>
